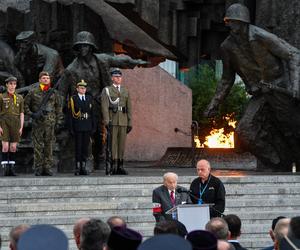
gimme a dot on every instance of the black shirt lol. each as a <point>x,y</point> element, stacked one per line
<point>214,192</point>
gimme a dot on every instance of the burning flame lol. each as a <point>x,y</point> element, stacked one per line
<point>217,138</point>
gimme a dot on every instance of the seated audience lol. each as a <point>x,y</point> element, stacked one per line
<point>218,227</point>
<point>280,231</point>
<point>116,221</point>
<point>122,238</point>
<point>292,240</point>
<point>271,231</point>
<point>165,242</point>
<point>202,240</point>
<point>77,230</point>
<point>225,245</point>
<point>94,235</point>
<point>15,234</point>
<point>234,225</point>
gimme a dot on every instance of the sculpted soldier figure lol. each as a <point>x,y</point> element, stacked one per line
<point>33,57</point>
<point>7,67</point>
<point>11,124</point>
<point>116,110</point>
<point>43,122</point>
<point>94,69</point>
<point>269,67</point>
<point>81,125</point>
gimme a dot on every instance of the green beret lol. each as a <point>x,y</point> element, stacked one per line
<point>82,83</point>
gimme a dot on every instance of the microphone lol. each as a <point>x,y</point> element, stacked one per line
<point>182,190</point>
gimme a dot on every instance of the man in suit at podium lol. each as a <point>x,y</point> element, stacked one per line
<point>208,189</point>
<point>167,196</point>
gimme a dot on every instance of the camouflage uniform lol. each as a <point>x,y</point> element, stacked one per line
<point>43,128</point>
<point>10,109</point>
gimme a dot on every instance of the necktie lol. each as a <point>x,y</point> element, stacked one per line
<point>172,197</point>
<point>83,98</point>
<point>118,87</point>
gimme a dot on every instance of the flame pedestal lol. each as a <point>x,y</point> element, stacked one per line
<point>220,158</point>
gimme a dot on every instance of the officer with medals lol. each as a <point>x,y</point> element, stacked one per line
<point>208,189</point>
<point>11,124</point>
<point>116,111</point>
<point>81,125</point>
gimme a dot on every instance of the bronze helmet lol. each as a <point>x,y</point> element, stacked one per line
<point>238,12</point>
<point>84,37</point>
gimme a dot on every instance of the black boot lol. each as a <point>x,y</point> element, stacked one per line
<point>121,170</point>
<point>113,169</point>
<point>77,168</point>
<point>83,169</point>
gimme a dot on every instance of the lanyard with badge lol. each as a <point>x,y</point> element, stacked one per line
<point>200,201</point>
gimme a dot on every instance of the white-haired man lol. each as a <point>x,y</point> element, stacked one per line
<point>167,196</point>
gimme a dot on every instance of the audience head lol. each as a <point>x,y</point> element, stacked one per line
<point>274,222</point>
<point>122,238</point>
<point>166,227</point>
<point>15,234</point>
<point>203,169</point>
<point>202,240</point>
<point>46,237</point>
<point>292,240</point>
<point>224,245</point>
<point>234,225</point>
<point>170,180</point>
<point>281,230</point>
<point>294,229</point>
<point>78,228</point>
<point>165,242</point>
<point>94,235</point>
<point>116,221</point>
<point>218,227</point>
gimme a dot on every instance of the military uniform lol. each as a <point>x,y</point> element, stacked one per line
<point>116,110</point>
<point>43,128</point>
<point>81,125</point>
<point>96,73</point>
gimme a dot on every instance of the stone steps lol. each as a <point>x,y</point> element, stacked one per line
<point>62,200</point>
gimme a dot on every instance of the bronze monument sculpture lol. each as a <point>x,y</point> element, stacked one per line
<point>269,67</point>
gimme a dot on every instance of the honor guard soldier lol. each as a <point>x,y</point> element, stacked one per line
<point>11,124</point>
<point>44,105</point>
<point>81,125</point>
<point>116,111</point>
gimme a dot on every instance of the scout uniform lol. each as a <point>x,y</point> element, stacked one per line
<point>11,106</point>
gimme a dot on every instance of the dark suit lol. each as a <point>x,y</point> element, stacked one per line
<point>237,245</point>
<point>81,125</point>
<point>161,195</point>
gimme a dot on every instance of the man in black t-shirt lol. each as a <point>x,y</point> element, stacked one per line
<point>208,189</point>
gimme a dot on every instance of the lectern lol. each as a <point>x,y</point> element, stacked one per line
<point>193,216</point>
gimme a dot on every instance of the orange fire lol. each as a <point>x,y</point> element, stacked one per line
<point>217,138</point>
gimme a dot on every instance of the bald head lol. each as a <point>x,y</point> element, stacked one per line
<point>78,228</point>
<point>203,169</point>
<point>281,230</point>
<point>218,227</point>
<point>15,235</point>
<point>170,180</point>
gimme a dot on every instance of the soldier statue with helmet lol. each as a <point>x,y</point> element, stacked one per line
<point>11,124</point>
<point>94,69</point>
<point>269,68</point>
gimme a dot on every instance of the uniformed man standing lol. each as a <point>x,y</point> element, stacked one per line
<point>81,125</point>
<point>11,124</point>
<point>116,110</point>
<point>43,123</point>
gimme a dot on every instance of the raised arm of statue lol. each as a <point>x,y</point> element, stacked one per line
<point>224,86</point>
<point>125,62</point>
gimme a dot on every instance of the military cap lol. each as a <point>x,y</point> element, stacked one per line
<point>165,242</point>
<point>44,237</point>
<point>82,83</point>
<point>10,79</point>
<point>124,238</point>
<point>202,240</point>
<point>289,243</point>
<point>115,72</point>
<point>25,35</point>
